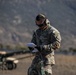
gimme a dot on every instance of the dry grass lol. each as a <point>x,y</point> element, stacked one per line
<point>65,65</point>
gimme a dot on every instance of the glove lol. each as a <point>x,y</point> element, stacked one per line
<point>30,48</point>
<point>39,47</point>
<point>43,47</point>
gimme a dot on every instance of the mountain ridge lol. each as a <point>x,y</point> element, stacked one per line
<point>17,20</point>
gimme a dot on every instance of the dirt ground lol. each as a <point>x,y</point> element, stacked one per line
<point>21,69</point>
<point>65,65</point>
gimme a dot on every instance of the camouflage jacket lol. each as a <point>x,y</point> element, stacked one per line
<point>49,39</point>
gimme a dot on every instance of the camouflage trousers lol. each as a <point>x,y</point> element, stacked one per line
<point>48,61</point>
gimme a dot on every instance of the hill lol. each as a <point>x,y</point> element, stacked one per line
<point>17,20</point>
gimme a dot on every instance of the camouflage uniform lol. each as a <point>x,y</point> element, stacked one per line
<point>49,39</point>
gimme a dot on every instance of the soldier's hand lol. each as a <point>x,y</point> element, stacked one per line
<point>39,47</point>
<point>30,48</point>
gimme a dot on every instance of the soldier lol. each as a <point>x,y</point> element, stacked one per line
<point>47,38</point>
